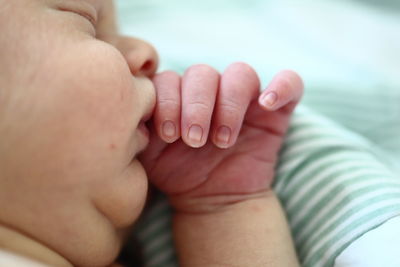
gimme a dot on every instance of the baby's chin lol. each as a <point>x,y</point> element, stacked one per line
<point>121,199</point>
<point>86,227</point>
<point>99,252</point>
<point>98,243</point>
<point>121,208</point>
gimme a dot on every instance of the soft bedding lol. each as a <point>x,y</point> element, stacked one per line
<point>339,173</point>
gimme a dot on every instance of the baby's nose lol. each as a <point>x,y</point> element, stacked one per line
<point>141,56</point>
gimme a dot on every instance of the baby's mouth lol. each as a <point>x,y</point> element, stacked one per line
<point>142,127</point>
<point>144,130</point>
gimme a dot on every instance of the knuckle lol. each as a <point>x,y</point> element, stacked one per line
<point>202,69</point>
<point>200,106</point>
<point>165,76</point>
<point>168,102</point>
<point>243,73</point>
<point>289,72</point>
<point>241,67</point>
<point>285,86</point>
<point>230,105</point>
<point>169,73</point>
<point>295,78</point>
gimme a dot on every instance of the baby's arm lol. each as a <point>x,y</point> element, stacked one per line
<point>253,232</point>
<point>225,211</point>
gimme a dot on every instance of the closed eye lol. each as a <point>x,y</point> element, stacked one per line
<point>81,8</point>
<point>83,14</point>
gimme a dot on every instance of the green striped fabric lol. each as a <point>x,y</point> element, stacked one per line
<point>154,233</point>
<point>338,175</point>
<point>334,184</point>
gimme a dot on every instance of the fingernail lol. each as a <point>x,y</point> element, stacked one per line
<point>195,135</point>
<point>269,99</point>
<point>223,136</point>
<point>169,129</point>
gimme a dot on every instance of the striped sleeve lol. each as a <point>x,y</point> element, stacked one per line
<point>334,186</point>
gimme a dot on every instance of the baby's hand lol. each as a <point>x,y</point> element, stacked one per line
<point>217,139</point>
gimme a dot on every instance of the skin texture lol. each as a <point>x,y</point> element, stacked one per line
<point>70,108</point>
<point>225,211</point>
<point>218,173</point>
<point>73,99</point>
<point>251,232</point>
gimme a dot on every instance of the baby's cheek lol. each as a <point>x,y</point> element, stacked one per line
<point>67,133</point>
<point>122,198</point>
<point>91,95</point>
<point>104,121</point>
<point>71,124</point>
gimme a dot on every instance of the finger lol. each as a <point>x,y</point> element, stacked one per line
<point>275,118</point>
<point>167,114</point>
<point>199,89</point>
<point>156,145</point>
<point>285,90</point>
<point>239,85</point>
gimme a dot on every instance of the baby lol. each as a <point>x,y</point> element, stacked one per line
<point>74,99</point>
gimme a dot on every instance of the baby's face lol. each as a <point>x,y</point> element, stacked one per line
<point>71,125</point>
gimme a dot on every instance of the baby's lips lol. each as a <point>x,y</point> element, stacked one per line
<point>146,117</point>
<point>148,97</point>
<point>148,113</point>
<point>144,124</point>
<point>144,129</point>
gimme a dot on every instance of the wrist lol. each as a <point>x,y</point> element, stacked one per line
<point>216,203</point>
<point>252,232</point>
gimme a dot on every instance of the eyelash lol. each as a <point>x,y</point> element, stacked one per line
<point>88,17</point>
<point>83,15</point>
